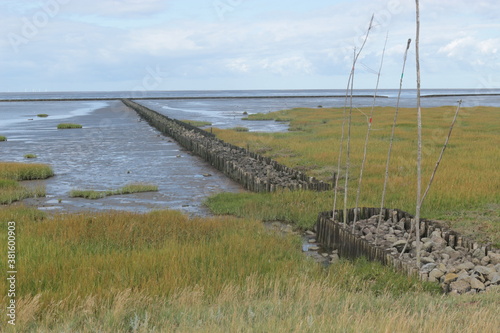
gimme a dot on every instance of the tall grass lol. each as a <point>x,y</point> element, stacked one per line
<point>120,271</point>
<point>25,171</point>
<point>3,138</point>
<point>68,126</point>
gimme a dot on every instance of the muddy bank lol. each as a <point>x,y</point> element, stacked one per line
<point>253,171</point>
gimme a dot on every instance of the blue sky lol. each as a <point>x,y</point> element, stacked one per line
<point>92,45</point>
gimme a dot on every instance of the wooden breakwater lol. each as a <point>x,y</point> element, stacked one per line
<point>255,172</point>
<point>334,235</point>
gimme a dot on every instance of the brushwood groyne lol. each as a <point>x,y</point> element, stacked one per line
<point>253,171</point>
<point>458,263</point>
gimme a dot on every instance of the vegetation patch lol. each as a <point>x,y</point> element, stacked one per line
<point>239,129</point>
<point>127,189</point>
<point>30,156</point>
<point>3,138</point>
<point>68,126</point>
<point>197,123</point>
<point>11,191</point>
<point>25,171</point>
<point>42,115</point>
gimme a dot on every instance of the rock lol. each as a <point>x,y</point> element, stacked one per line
<point>324,254</point>
<point>438,243</point>
<point>310,233</point>
<point>484,270</point>
<point>369,237</point>
<point>427,260</point>
<point>390,238</point>
<point>400,244</point>
<point>334,258</point>
<point>428,267</point>
<point>497,267</point>
<point>435,274</point>
<point>313,248</point>
<point>478,253</point>
<point>476,284</point>
<point>366,231</point>
<point>466,265</point>
<point>427,246</point>
<point>495,278</point>
<point>463,275</point>
<point>207,175</point>
<point>445,256</point>
<point>461,286</point>
<point>450,277</point>
<point>485,261</point>
<point>494,258</point>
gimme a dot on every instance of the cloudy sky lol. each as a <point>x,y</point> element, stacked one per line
<point>92,45</point>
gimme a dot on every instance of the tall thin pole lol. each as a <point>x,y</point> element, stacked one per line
<point>393,130</point>
<point>368,131</point>
<point>419,127</point>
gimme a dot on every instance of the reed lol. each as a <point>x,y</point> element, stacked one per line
<point>12,191</point>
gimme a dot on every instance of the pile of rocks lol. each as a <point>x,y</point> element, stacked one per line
<point>458,269</point>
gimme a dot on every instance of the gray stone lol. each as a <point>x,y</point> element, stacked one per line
<point>312,240</point>
<point>334,258</point>
<point>494,258</point>
<point>484,270</point>
<point>400,245</point>
<point>435,274</point>
<point>478,253</point>
<point>466,265</point>
<point>313,248</point>
<point>428,267</point>
<point>485,261</point>
<point>427,246</point>
<point>476,284</point>
<point>427,260</point>
<point>460,286</point>
<point>463,275</point>
<point>497,267</point>
<point>495,278</point>
<point>390,238</point>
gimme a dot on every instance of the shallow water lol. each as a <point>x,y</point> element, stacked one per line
<point>112,149</point>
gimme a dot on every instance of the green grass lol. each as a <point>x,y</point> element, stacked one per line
<point>3,138</point>
<point>197,123</point>
<point>127,189</point>
<point>11,191</point>
<point>30,156</point>
<point>25,171</point>
<point>468,179</point>
<point>68,126</point>
<point>239,129</point>
<point>42,115</point>
<point>282,116</point>
<point>163,271</point>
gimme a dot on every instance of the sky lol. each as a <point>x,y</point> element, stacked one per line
<point>130,45</point>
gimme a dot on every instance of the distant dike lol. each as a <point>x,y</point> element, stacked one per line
<point>253,171</point>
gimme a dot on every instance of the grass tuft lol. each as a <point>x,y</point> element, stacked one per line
<point>197,123</point>
<point>30,156</point>
<point>3,138</point>
<point>68,126</point>
<point>25,171</point>
<point>42,115</point>
<point>127,189</point>
<point>239,129</point>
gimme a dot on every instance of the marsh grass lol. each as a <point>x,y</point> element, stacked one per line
<point>68,126</point>
<point>42,115</point>
<point>3,138</point>
<point>11,191</point>
<point>30,156</point>
<point>197,123</point>
<point>25,171</point>
<point>163,271</point>
<point>468,180</point>
<point>127,189</point>
<point>239,129</point>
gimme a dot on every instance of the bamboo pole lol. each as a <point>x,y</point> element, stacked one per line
<point>368,131</point>
<point>348,145</point>
<point>393,130</point>
<point>419,126</point>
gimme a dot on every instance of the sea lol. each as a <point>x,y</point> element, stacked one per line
<point>115,147</point>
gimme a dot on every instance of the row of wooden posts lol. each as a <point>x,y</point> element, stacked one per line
<point>226,157</point>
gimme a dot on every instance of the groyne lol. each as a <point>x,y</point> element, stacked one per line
<point>458,263</point>
<point>253,171</point>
